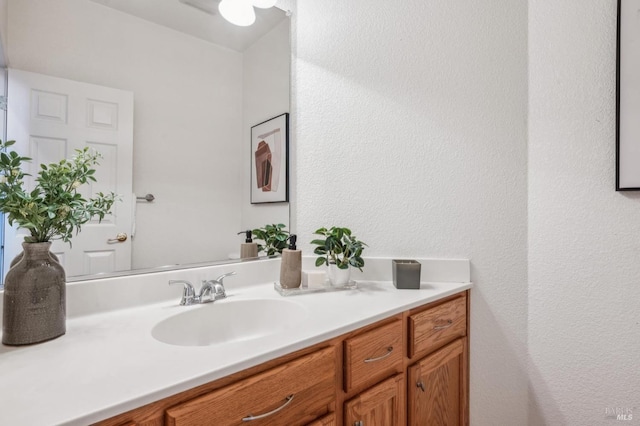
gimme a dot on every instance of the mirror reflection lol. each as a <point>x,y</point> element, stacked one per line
<point>171,91</point>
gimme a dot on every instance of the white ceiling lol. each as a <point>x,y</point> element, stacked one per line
<point>187,16</point>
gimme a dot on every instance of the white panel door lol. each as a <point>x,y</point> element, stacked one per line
<point>49,118</point>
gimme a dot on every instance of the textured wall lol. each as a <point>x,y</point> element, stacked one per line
<point>584,238</point>
<point>410,128</point>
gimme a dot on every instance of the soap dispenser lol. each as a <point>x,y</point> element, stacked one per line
<point>249,249</point>
<point>291,267</point>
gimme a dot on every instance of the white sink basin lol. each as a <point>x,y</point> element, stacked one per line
<point>228,321</point>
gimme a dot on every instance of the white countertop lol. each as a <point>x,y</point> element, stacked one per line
<point>108,363</point>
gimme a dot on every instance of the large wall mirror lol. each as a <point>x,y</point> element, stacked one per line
<point>194,84</point>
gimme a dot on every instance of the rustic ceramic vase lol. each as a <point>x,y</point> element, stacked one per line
<point>34,307</point>
<point>20,255</point>
<point>338,277</point>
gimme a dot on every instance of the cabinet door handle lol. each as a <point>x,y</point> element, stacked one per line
<point>389,350</point>
<point>359,423</point>
<point>262,416</point>
<point>442,327</point>
<point>420,385</point>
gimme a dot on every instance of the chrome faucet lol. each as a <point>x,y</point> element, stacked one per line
<point>213,289</point>
<point>210,291</point>
<point>188,292</point>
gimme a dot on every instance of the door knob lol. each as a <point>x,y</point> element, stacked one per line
<point>120,238</point>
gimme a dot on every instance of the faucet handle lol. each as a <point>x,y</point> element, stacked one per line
<point>223,276</point>
<point>188,292</point>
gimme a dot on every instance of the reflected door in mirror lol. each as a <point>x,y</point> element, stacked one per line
<point>50,118</point>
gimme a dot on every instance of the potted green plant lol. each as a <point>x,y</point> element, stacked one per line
<point>339,250</point>
<point>51,208</point>
<point>274,237</point>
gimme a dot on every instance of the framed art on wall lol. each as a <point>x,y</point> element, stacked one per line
<point>628,97</point>
<point>270,161</point>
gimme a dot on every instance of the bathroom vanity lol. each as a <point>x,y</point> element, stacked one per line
<point>375,354</point>
<point>410,368</point>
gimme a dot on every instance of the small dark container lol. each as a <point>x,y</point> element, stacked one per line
<point>406,274</point>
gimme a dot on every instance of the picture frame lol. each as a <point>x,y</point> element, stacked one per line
<point>270,161</point>
<point>628,97</point>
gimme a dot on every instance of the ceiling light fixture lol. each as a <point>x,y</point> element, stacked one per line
<point>238,12</point>
<point>264,4</point>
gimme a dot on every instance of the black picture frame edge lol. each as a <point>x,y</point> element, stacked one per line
<point>618,43</point>
<point>286,159</point>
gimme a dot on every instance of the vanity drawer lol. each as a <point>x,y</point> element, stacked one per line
<point>373,355</point>
<point>328,420</point>
<point>434,327</point>
<point>296,393</point>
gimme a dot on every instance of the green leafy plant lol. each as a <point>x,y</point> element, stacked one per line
<point>338,247</point>
<point>274,237</point>
<point>53,209</point>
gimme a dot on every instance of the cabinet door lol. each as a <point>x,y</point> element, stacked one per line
<point>437,388</point>
<point>381,405</point>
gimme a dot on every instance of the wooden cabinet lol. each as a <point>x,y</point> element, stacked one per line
<point>408,369</point>
<point>438,381</point>
<point>437,388</point>
<point>294,393</point>
<point>435,362</point>
<point>381,405</point>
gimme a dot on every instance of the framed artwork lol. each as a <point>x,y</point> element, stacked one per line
<point>628,97</point>
<point>270,161</point>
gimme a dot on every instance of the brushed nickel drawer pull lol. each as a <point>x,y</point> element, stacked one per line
<point>359,423</point>
<point>262,416</point>
<point>389,350</point>
<point>421,385</point>
<point>442,327</point>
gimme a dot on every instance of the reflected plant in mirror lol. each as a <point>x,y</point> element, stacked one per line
<point>274,237</point>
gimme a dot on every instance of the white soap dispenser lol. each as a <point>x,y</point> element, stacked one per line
<point>249,249</point>
<point>291,267</point>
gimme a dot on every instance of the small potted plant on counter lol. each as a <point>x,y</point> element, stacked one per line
<point>274,237</point>
<point>339,250</point>
<point>50,208</point>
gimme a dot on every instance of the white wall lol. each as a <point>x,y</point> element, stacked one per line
<point>3,60</point>
<point>186,101</point>
<point>3,32</point>
<point>266,69</point>
<point>410,124</point>
<point>584,238</point>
